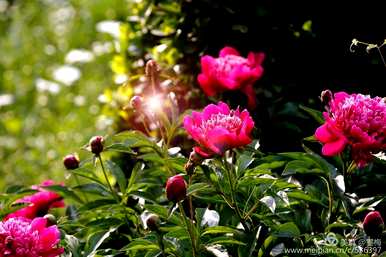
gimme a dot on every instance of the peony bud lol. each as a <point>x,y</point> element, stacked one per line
<point>373,224</point>
<point>176,188</point>
<point>71,161</point>
<point>153,222</point>
<point>96,144</point>
<point>136,102</point>
<point>194,160</point>
<point>51,220</point>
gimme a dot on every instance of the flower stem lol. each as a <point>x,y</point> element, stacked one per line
<point>330,199</point>
<point>234,205</point>
<point>190,199</point>
<point>107,179</point>
<point>161,243</point>
<point>189,227</point>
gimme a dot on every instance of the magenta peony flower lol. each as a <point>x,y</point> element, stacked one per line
<point>218,129</point>
<point>176,188</point>
<point>230,71</point>
<point>21,237</point>
<point>373,224</point>
<point>355,120</point>
<point>39,203</point>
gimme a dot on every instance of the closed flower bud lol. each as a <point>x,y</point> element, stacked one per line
<point>153,222</point>
<point>71,161</point>
<point>194,160</point>
<point>176,188</point>
<point>136,102</point>
<point>51,220</point>
<point>96,144</point>
<point>373,224</point>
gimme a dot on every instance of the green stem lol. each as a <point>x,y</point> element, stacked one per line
<point>234,203</point>
<point>107,179</point>
<point>189,227</point>
<point>190,199</point>
<point>330,199</point>
<point>161,243</point>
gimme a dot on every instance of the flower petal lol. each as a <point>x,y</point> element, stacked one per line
<point>228,51</point>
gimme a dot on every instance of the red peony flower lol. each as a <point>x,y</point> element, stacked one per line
<point>21,237</point>
<point>230,71</point>
<point>355,120</point>
<point>218,129</point>
<point>39,203</point>
<point>373,224</point>
<point>176,188</point>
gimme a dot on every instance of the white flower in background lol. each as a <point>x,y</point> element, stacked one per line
<point>283,195</point>
<point>79,100</point>
<point>210,218</point>
<point>339,180</point>
<point>66,74</point>
<point>144,216</point>
<point>6,99</point>
<point>218,250</point>
<point>381,156</point>
<point>100,48</point>
<point>109,26</point>
<point>43,85</point>
<point>270,202</point>
<point>3,5</point>
<point>79,56</point>
<point>103,122</point>
<point>120,78</point>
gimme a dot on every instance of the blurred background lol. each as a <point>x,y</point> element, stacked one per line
<point>68,68</point>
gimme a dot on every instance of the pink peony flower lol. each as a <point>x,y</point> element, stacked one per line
<point>355,120</point>
<point>39,203</point>
<point>218,129</point>
<point>21,237</point>
<point>230,71</point>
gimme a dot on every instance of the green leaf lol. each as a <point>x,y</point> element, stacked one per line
<point>317,115</point>
<point>140,244</point>
<point>218,230</point>
<point>118,174</point>
<point>133,177</point>
<point>93,188</point>
<point>243,162</point>
<point>197,187</point>
<point>64,191</point>
<point>299,166</point>
<point>163,213</point>
<point>179,233</point>
<point>96,204</point>
<point>288,229</point>
<point>300,195</point>
<point>224,240</point>
<point>120,147</point>
<point>95,240</point>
